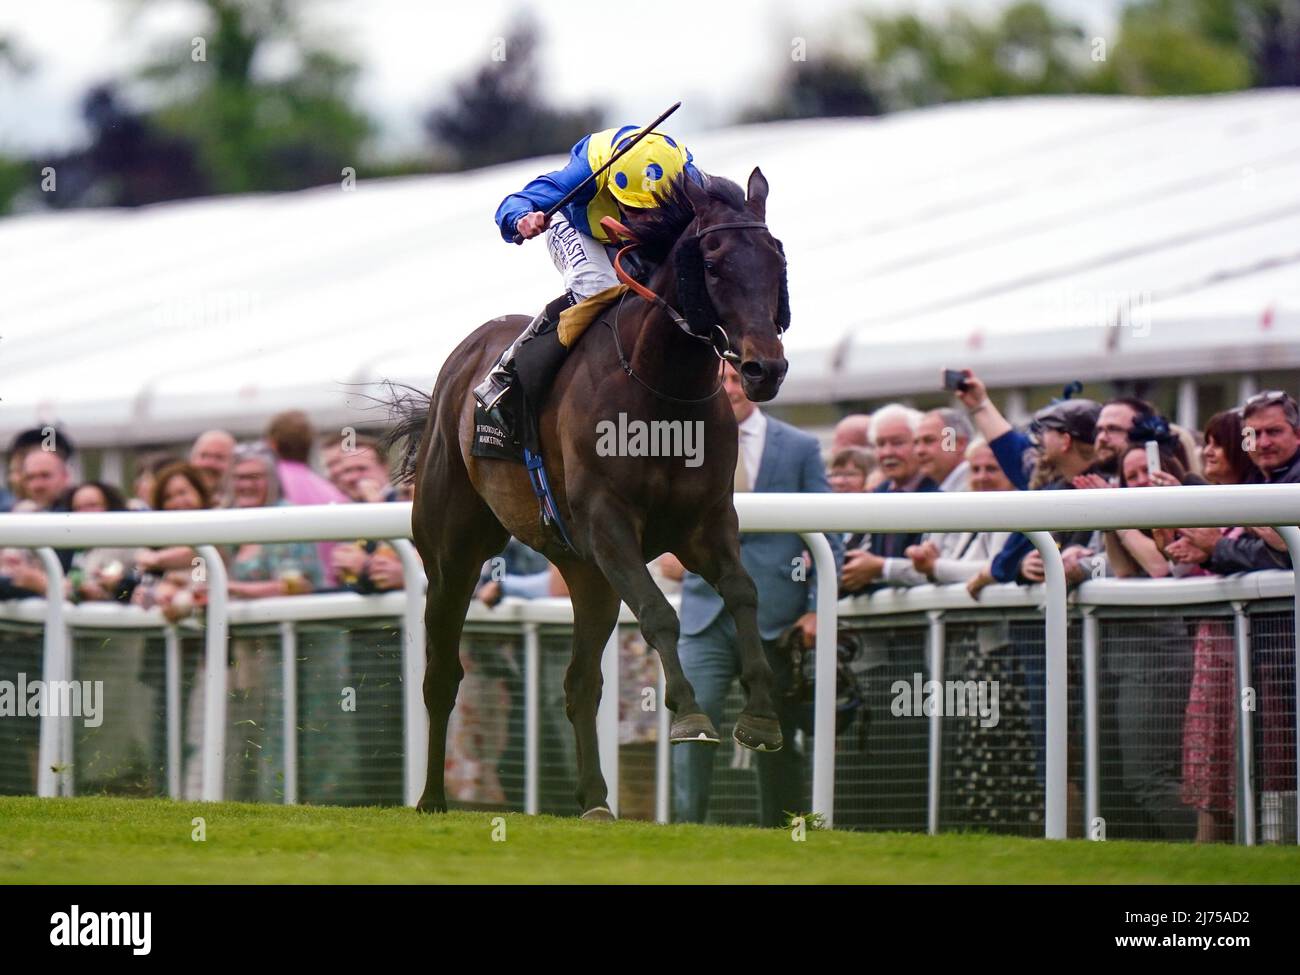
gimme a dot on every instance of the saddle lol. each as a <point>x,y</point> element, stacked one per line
<point>576,319</point>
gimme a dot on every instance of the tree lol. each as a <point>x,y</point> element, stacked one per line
<point>914,62</point>
<point>129,162</point>
<point>1271,30</point>
<point>1025,50</point>
<point>498,114</point>
<point>1162,47</point>
<point>833,86</point>
<point>255,132</point>
<point>1176,47</point>
<point>1266,32</point>
<point>14,174</point>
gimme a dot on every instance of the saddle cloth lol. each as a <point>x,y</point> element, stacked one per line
<point>491,441</point>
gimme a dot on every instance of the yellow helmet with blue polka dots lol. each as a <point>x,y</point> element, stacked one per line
<point>646,169</point>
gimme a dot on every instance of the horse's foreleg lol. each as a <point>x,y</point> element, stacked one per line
<point>595,614</point>
<point>714,554</point>
<point>617,551</point>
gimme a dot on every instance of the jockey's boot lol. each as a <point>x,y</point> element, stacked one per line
<point>492,392</point>
<point>499,380</point>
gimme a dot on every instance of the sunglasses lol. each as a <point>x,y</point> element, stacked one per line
<point>1273,397</point>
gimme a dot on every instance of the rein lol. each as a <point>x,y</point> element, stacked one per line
<point>627,366</point>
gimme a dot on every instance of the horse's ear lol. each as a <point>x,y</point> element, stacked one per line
<point>756,194</point>
<point>692,294</point>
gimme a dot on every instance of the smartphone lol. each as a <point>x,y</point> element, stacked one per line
<point>955,380</point>
<point>1153,458</point>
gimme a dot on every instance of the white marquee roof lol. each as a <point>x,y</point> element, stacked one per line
<point>1001,235</point>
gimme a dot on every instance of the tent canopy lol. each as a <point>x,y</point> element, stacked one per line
<point>1033,240</point>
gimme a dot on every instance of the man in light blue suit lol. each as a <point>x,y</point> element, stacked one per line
<point>773,456</point>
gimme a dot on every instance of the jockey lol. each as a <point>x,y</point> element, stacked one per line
<point>580,248</point>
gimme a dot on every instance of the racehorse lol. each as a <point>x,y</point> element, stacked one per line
<point>711,256</point>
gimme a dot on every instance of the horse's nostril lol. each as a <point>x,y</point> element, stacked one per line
<point>753,370</point>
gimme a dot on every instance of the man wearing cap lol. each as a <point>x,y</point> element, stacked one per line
<point>1066,431</point>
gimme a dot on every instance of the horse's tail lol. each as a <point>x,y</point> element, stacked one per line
<point>408,412</point>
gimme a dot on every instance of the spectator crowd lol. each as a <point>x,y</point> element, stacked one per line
<point>218,472</point>
<point>1178,672</point>
<point>1173,672</point>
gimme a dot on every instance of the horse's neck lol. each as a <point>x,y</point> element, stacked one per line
<point>666,357</point>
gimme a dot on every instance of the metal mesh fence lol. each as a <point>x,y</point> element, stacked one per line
<point>557,754</point>
<point>1273,676</point>
<point>21,650</point>
<point>1209,736</point>
<point>1168,722</point>
<point>882,759</point>
<point>638,725</point>
<point>1146,663</point>
<point>992,756</point>
<point>348,727</point>
<point>122,748</point>
<point>374,746</point>
<point>485,735</point>
<point>255,733</point>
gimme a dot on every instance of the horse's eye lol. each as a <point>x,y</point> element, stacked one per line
<point>711,268</point>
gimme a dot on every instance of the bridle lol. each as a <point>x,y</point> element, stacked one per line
<point>722,348</point>
<point>626,365</point>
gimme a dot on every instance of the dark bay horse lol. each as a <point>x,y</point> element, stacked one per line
<point>716,263</point>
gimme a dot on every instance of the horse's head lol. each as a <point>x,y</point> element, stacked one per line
<point>727,272</point>
<point>734,276</point>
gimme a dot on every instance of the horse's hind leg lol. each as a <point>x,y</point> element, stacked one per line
<point>595,614</point>
<point>450,589</point>
<point>455,532</point>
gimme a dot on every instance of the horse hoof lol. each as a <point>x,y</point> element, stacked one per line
<point>430,806</point>
<point>599,814</point>
<point>694,727</point>
<point>759,734</point>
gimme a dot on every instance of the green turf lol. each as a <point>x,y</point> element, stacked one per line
<point>101,840</point>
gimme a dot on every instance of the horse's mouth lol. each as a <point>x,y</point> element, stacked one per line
<point>761,378</point>
<point>762,392</point>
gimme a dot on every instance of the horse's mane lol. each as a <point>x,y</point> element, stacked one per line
<point>660,228</point>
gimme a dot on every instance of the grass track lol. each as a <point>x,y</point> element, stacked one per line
<point>102,840</point>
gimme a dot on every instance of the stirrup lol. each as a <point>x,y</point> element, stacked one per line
<point>491,396</point>
<point>501,377</point>
<point>494,387</point>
